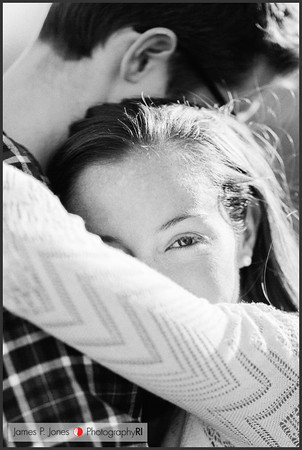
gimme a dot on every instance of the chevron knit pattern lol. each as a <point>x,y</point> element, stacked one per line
<point>234,368</point>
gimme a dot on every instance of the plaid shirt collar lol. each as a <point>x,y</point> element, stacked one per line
<point>18,156</point>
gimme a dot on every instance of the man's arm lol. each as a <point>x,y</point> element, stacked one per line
<point>216,361</point>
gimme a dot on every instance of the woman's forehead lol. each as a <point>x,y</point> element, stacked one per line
<point>146,178</point>
<point>126,195</point>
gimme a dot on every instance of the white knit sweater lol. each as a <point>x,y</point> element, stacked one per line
<point>233,368</point>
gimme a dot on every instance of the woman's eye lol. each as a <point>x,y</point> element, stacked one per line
<point>186,241</point>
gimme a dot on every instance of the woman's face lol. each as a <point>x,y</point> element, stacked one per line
<point>158,212</point>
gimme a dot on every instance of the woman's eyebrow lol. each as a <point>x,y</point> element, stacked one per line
<point>176,220</point>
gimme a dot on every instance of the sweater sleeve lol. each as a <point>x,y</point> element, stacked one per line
<point>234,366</point>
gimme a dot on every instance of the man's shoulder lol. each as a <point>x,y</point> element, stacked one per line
<point>18,156</point>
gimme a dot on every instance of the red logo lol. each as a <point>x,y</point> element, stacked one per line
<point>78,431</point>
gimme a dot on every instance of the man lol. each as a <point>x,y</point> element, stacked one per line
<point>90,53</point>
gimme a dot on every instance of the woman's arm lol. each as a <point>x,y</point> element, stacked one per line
<point>233,366</point>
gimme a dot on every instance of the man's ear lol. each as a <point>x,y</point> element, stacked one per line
<point>249,236</point>
<point>152,48</point>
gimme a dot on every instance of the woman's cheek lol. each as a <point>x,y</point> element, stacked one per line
<point>202,275</point>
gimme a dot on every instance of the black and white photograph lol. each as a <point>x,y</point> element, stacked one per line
<point>150,224</point>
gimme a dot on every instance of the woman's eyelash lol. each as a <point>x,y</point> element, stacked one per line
<point>185,241</point>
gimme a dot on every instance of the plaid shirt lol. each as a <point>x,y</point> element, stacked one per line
<point>45,380</point>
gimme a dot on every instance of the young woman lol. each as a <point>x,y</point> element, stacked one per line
<point>190,193</point>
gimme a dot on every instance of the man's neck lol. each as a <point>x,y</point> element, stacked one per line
<point>42,97</point>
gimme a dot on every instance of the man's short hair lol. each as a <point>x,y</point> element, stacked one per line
<point>219,41</point>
